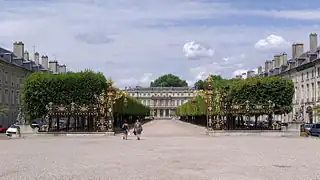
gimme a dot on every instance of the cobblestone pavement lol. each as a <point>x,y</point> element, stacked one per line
<point>169,150</point>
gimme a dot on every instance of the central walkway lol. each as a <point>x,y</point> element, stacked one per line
<point>172,128</point>
<point>169,150</point>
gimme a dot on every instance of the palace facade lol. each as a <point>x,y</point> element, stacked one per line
<point>304,69</point>
<point>15,66</point>
<point>162,101</point>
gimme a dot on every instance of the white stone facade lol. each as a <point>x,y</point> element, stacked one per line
<point>304,70</point>
<point>162,101</point>
<point>14,68</point>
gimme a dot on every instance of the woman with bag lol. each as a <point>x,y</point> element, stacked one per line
<point>137,129</point>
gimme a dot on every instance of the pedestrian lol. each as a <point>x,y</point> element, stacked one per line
<point>137,129</point>
<point>125,128</point>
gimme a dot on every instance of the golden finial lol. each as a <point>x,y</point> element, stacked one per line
<point>209,79</point>
<point>110,81</point>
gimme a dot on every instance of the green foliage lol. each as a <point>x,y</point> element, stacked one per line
<point>41,88</point>
<point>262,89</point>
<point>257,90</point>
<point>3,110</point>
<point>216,79</point>
<point>194,107</point>
<point>169,80</point>
<point>133,107</point>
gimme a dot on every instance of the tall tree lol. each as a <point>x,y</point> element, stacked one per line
<point>216,79</point>
<point>169,80</point>
<point>39,89</point>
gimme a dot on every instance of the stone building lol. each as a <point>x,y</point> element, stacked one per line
<point>304,70</point>
<point>14,67</point>
<point>162,100</point>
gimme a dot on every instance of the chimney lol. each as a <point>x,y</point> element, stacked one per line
<point>284,59</point>
<point>277,61</point>
<point>36,58</point>
<point>294,52</point>
<point>299,49</point>
<point>53,66</point>
<point>273,64</point>
<point>18,49</point>
<point>26,55</point>
<point>292,64</point>
<point>259,70</point>
<point>250,74</point>
<point>62,68</point>
<point>266,66</point>
<point>44,62</point>
<point>244,75</point>
<point>313,40</point>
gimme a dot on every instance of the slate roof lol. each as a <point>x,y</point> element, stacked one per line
<point>9,57</point>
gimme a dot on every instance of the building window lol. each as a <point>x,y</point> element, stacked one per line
<point>312,73</point>
<point>308,92</point>
<point>12,79</point>
<point>318,88</point>
<point>312,91</point>
<point>302,76</point>
<point>302,92</point>
<point>12,98</point>
<point>6,77</point>
<point>1,96</point>
<point>6,96</point>
<point>307,75</point>
<point>1,76</point>
<point>318,71</point>
<point>296,94</point>
<point>18,97</point>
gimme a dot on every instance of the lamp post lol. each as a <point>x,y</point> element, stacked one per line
<point>208,98</point>
<point>110,101</point>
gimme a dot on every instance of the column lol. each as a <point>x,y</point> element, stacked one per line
<point>158,112</point>
<point>169,112</point>
<point>165,113</point>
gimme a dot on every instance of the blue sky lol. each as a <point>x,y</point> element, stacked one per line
<point>135,41</point>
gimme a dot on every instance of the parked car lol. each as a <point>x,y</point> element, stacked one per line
<point>308,126</point>
<point>2,129</point>
<point>13,131</point>
<point>314,130</point>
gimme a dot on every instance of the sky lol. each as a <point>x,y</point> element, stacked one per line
<point>136,41</point>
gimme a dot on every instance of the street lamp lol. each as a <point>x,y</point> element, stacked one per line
<point>208,98</point>
<point>110,101</point>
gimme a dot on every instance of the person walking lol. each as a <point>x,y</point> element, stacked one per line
<point>125,128</point>
<point>137,129</point>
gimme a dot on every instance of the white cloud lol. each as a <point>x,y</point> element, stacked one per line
<point>240,72</point>
<point>272,42</point>
<point>125,39</point>
<point>195,51</point>
<point>143,81</point>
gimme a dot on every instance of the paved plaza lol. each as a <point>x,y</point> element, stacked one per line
<point>169,150</point>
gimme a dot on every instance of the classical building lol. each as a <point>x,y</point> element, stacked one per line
<point>162,100</point>
<point>14,67</point>
<point>304,70</point>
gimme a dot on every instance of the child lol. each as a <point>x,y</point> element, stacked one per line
<point>125,128</point>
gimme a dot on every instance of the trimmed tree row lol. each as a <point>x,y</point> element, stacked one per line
<point>235,98</point>
<point>81,88</point>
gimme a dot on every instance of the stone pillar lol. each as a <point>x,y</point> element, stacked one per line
<point>165,113</point>
<point>169,113</point>
<point>158,112</point>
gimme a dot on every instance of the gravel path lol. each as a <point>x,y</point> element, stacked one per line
<point>169,150</point>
